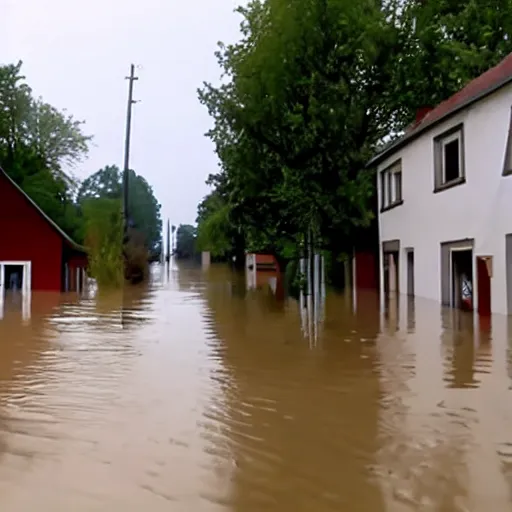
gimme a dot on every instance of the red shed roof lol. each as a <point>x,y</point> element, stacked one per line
<point>482,86</point>
<point>65,236</point>
<point>265,258</point>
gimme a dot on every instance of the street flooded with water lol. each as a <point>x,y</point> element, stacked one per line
<point>195,394</point>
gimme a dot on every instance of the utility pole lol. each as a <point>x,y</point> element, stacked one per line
<point>126,213</point>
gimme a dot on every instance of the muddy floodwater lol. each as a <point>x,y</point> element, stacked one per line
<point>194,394</point>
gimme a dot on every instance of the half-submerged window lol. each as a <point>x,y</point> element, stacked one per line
<point>449,158</point>
<point>391,185</point>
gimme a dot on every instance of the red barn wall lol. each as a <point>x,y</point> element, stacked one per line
<point>26,235</point>
<point>78,261</point>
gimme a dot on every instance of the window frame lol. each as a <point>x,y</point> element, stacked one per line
<point>507,161</point>
<point>388,186</point>
<point>440,141</point>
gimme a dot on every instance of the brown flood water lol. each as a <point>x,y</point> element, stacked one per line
<point>194,395</point>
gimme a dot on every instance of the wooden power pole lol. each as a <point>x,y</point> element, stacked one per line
<point>126,212</point>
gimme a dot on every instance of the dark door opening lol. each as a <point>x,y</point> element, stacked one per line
<point>462,279</point>
<point>71,279</point>
<point>14,277</point>
<point>410,273</point>
<point>385,264</point>
<point>80,279</point>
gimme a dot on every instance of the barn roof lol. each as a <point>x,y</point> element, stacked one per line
<point>55,226</point>
<point>476,90</point>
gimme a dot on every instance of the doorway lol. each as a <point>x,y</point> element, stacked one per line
<point>390,267</point>
<point>451,271</point>
<point>410,272</point>
<point>462,296</point>
<point>508,265</point>
<point>15,276</point>
<point>391,272</point>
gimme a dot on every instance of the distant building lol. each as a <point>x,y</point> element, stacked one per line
<point>35,254</point>
<point>445,200</point>
<point>262,270</point>
<point>206,259</point>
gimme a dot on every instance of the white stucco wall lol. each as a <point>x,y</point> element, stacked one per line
<point>481,208</point>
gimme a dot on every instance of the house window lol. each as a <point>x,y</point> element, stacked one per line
<point>449,158</point>
<point>391,186</point>
<point>507,164</point>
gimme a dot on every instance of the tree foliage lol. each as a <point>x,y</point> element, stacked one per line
<point>311,90</point>
<point>185,241</point>
<point>143,206</point>
<point>105,183</point>
<point>215,229</point>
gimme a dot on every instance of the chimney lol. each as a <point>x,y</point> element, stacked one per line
<point>421,113</point>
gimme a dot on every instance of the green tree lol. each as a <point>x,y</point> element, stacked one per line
<point>57,137</point>
<point>312,90</point>
<point>185,241</point>
<point>301,115</point>
<point>105,183</point>
<point>15,106</point>
<point>444,45</point>
<point>143,206</point>
<point>145,212</point>
<point>215,229</point>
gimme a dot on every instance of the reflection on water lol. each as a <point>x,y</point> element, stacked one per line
<point>194,394</point>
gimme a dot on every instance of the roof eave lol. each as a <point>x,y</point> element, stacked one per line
<point>77,247</point>
<point>408,138</point>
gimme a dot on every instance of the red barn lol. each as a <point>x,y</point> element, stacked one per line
<point>35,254</point>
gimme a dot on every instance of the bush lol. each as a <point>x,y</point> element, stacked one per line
<point>104,241</point>
<point>136,269</point>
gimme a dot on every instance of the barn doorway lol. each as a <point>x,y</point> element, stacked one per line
<point>15,276</point>
<point>462,279</point>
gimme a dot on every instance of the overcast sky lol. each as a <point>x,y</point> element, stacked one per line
<point>76,55</point>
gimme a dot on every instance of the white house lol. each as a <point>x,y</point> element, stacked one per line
<point>445,199</point>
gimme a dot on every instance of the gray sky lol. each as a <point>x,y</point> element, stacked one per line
<point>76,55</point>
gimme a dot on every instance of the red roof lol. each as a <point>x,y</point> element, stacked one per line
<point>487,83</point>
<point>474,89</point>
<point>265,259</point>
